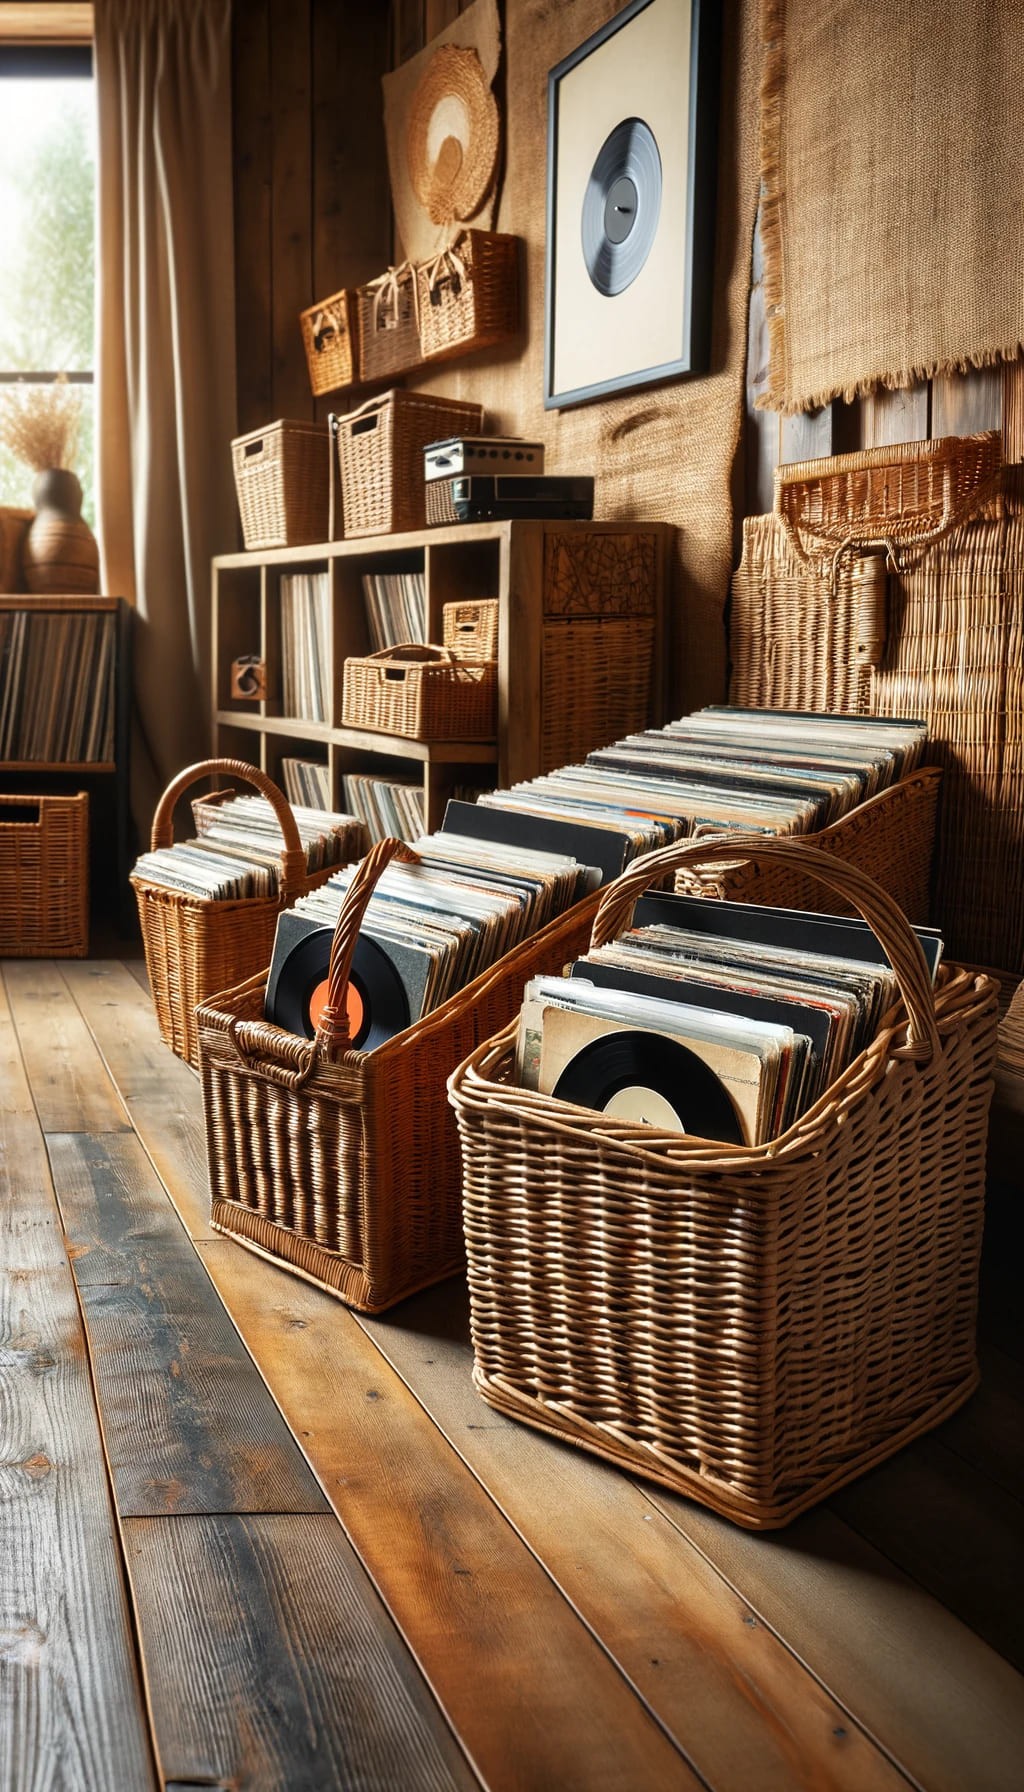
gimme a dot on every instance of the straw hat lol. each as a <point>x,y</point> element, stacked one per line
<point>451,139</point>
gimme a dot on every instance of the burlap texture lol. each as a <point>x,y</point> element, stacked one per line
<point>893,208</point>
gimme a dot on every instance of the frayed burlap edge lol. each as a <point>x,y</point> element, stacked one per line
<point>773,191</point>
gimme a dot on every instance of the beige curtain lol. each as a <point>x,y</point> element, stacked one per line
<point>165,355</point>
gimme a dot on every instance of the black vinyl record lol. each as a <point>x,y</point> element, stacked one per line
<point>378,1006</point>
<point>653,1078</point>
<point>621,206</point>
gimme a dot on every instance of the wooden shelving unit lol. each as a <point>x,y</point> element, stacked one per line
<point>561,587</point>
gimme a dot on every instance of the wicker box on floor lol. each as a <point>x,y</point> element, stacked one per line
<point>195,946</point>
<point>380,454</point>
<point>329,337</point>
<point>282,478</point>
<point>344,1165</point>
<point>422,693</point>
<point>44,876</point>
<point>468,296</point>
<point>891,582</point>
<point>752,1326</point>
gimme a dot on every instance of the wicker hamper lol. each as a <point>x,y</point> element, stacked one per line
<point>468,296</point>
<point>380,454</point>
<point>344,1165</point>
<point>891,582</point>
<point>282,478</point>
<point>751,1326</point>
<point>422,693</point>
<point>44,876</point>
<point>194,945</point>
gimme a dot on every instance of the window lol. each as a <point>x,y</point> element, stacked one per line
<point>47,232</point>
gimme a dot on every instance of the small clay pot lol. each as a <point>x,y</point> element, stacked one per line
<point>60,551</point>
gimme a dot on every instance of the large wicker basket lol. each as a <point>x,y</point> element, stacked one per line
<point>750,1325</point>
<point>891,837</point>
<point>282,478</point>
<point>892,583</point>
<point>468,296</point>
<point>195,946</point>
<point>344,1165</point>
<point>44,876</point>
<point>422,693</point>
<point>380,453</point>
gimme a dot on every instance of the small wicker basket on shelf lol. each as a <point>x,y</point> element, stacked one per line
<point>421,692</point>
<point>282,478</point>
<point>370,1207</point>
<point>470,630</point>
<point>195,945</point>
<point>752,1326</point>
<point>380,453</point>
<point>44,876</point>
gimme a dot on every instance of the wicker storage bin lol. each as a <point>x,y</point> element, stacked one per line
<point>329,337</point>
<point>891,837</point>
<point>752,1326</point>
<point>421,692</point>
<point>818,623</point>
<point>195,945</point>
<point>344,1165</point>
<point>470,630</point>
<point>388,325</point>
<point>468,296</point>
<point>282,477</point>
<point>44,876</point>
<point>380,453</point>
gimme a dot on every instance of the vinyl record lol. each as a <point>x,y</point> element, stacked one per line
<point>376,999</point>
<point>621,206</point>
<point>650,1078</point>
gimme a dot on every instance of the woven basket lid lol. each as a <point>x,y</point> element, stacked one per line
<point>451,141</point>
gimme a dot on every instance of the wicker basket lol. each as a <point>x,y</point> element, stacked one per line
<point>380,453</point>
<point>195,945</point>
<point>44,876</point>
<point>470,630</point>
<point>344,1165</point>
<point>750,1325</point>
<point>329,337</point>
<point>282,477</point>
<point>389,334</point>
<point>891,837</point>
<point>468,296</point>
<point>421,692</point>
<point>816,623</point>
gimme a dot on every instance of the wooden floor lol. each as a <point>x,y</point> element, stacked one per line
<point>249,1540</point>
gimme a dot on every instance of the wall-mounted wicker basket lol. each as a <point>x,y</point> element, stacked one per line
<point>330,338</point>
<point>388,324</point>
<point>468,295</point>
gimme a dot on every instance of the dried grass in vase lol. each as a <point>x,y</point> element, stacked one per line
<point>40,424</point>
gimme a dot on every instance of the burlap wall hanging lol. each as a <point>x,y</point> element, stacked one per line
<point>443,133</point>
<point>892,208</point>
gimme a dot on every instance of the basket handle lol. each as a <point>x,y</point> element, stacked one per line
<point>293,857</point>
<point>283,1057</point>
<point>420,651</point>
<point>875,905</point>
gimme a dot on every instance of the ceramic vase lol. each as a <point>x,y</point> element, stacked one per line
<point>60,552</point>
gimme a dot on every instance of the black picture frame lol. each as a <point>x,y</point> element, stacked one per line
<point>687,312</point>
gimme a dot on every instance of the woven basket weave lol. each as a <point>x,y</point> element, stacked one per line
<point>423,693</point>
<point>470,630</point>
<point>469,295</point>
<point>44,876</point>
<point>194,945</point>
<point>380,453</point>
<point>388,324</point>
<point>329,337</point>
<point>282,477</point>
<point>750,1325</point>
<point>344,1165</point>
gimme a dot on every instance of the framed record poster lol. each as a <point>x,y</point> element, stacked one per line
<point>632,118</point>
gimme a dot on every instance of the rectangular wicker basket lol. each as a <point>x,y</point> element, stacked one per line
<point>44,876</point>
<point>891,582</point>
<point>195,945</point>
<point>422,693</point>
<point>369,1204</point>
<point>330,337</point>
<point>470,630</point>
<point>468,296</point>
<point>282,478</point>
<point>752,1326</point>
<point>380,454</point>
<point>388,324</point>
